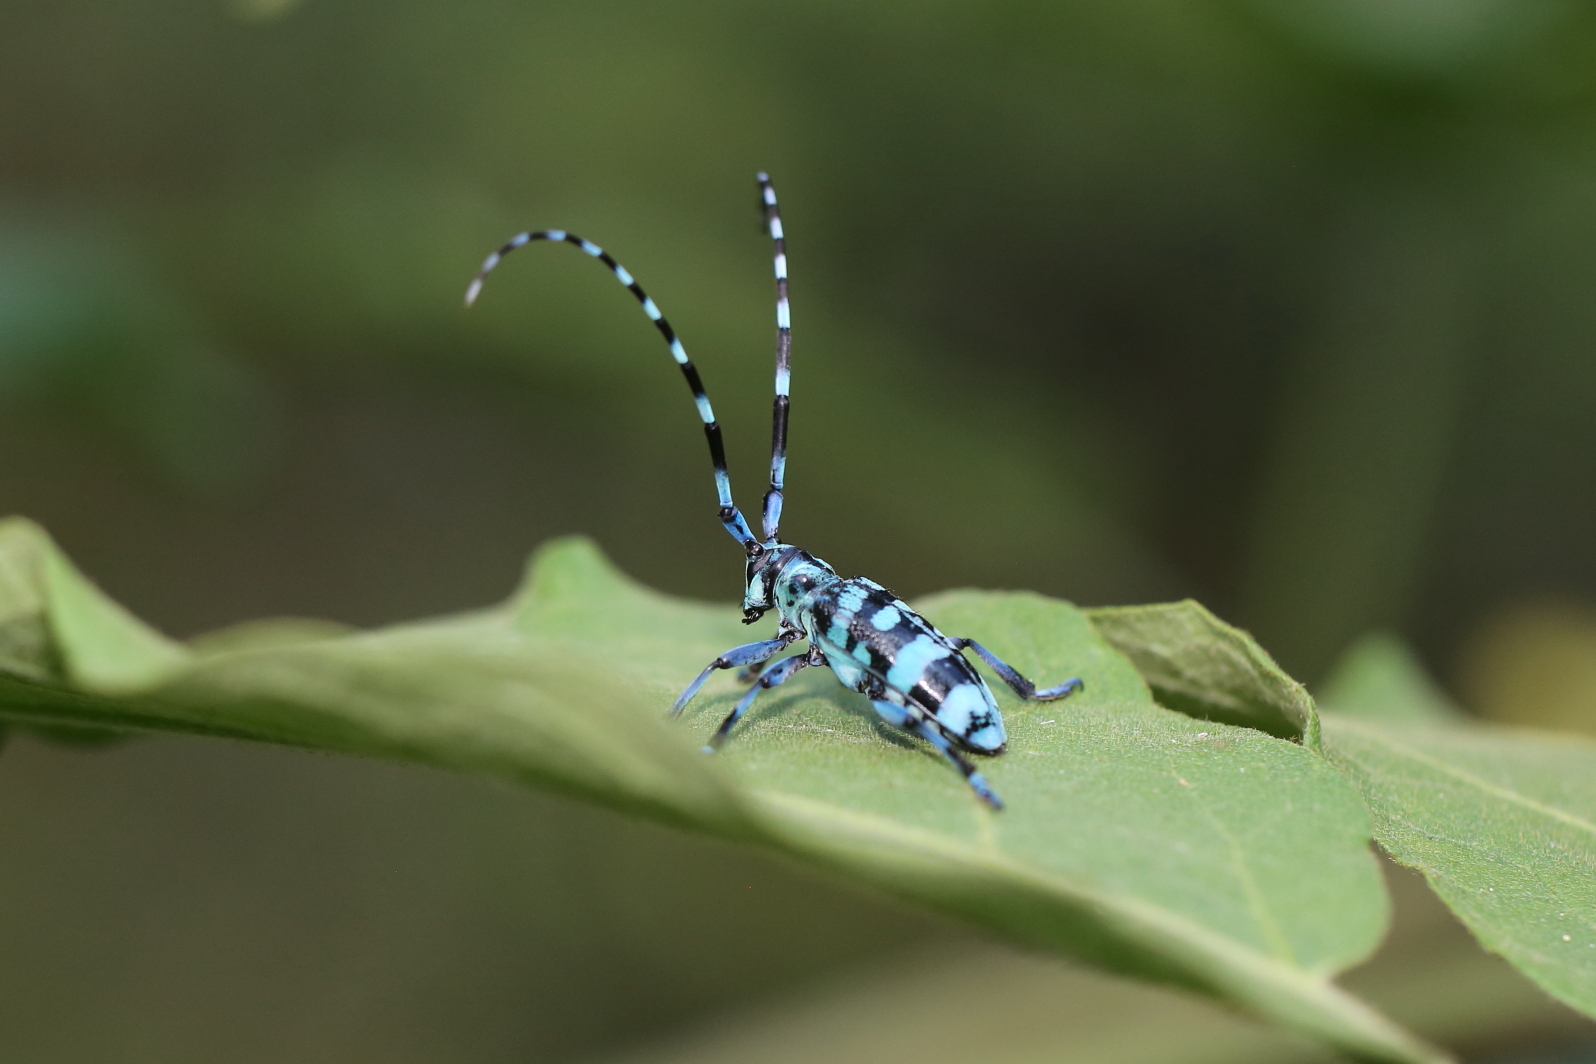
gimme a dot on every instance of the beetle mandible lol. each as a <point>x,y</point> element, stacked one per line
<point>916,678</point>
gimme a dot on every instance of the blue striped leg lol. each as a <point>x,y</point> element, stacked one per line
<point>774,676</point>
<point>749,654</point>
<point>778,419</point>
<point>1021,686</point>
<point>730,516</point>
<point>916,723</point>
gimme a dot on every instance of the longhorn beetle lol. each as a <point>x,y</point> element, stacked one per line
<point>917,678</point>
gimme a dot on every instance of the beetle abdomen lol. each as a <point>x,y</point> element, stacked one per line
<point>868,634</point>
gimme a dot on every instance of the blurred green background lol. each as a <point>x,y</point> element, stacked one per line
<point>1283,304</point>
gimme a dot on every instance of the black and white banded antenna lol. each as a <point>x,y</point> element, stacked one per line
<point>778,421</point>
<point>730,516</point>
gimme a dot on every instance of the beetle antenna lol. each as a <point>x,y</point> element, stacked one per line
<point>778,421</point>
<point>730,516</point>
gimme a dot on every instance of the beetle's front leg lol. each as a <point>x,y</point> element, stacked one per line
<point>749,673</point>
<point>746,655</point>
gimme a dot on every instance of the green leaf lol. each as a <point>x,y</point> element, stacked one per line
<point>1380,679</point>
<point>1209,857</point>
<point>1502,822</point>
<point>1200,665</point>
<point>56,625</point>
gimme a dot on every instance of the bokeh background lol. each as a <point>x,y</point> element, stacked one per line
<point>1284,304</point>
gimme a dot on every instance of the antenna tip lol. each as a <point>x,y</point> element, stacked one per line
<point>474,291</point>
<point>763,176</point>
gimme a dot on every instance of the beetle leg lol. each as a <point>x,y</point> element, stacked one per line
<point>916,723</point>
<point>774,676</point>
<point>748,654</point>
<point>1020,685</point>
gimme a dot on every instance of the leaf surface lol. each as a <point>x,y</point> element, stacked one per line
<point>1501,820</point>
<point>1197,854</point>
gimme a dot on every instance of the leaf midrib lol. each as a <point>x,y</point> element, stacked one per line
<point>1263,917</point>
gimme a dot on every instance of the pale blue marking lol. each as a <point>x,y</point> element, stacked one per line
<point>775,229</point>
<point>960,704</point>
<point>679,352</point>
<point>783,315</point>
<point>490,262</point>
<point>886,619</point>
<point>704,410</point>
<point>861,653</point>
<point>894,715</point>
<point>778,472</point>
<point>592,248</point>
<point>520,240</point>
<point>723,489</point>
<point>912,660</point>
<point>770,195</point>
<point>626,278</point>
<point>781,267</point>
<point>650,309</point>
<point>849,674</point>
<point>973,698</point>
<point>783,380</point>
<point>556,234</point>
<point>850,600</point>
<point>990,738</point>
<point>838,633</point>
<point>473,290</point>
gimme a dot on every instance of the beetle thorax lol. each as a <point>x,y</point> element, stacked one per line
<point>784,578</point>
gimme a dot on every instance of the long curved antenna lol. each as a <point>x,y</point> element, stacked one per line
<point>778,418</point>
<point>730,516</point>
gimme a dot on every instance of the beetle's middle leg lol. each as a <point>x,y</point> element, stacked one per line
<point>1019,684</point>
<point>774,676</point>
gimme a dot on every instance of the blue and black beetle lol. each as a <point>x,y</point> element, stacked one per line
<point>917,678</point>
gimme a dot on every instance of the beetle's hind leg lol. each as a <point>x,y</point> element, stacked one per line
<point>916,723</point>
<point>1019,684</point>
